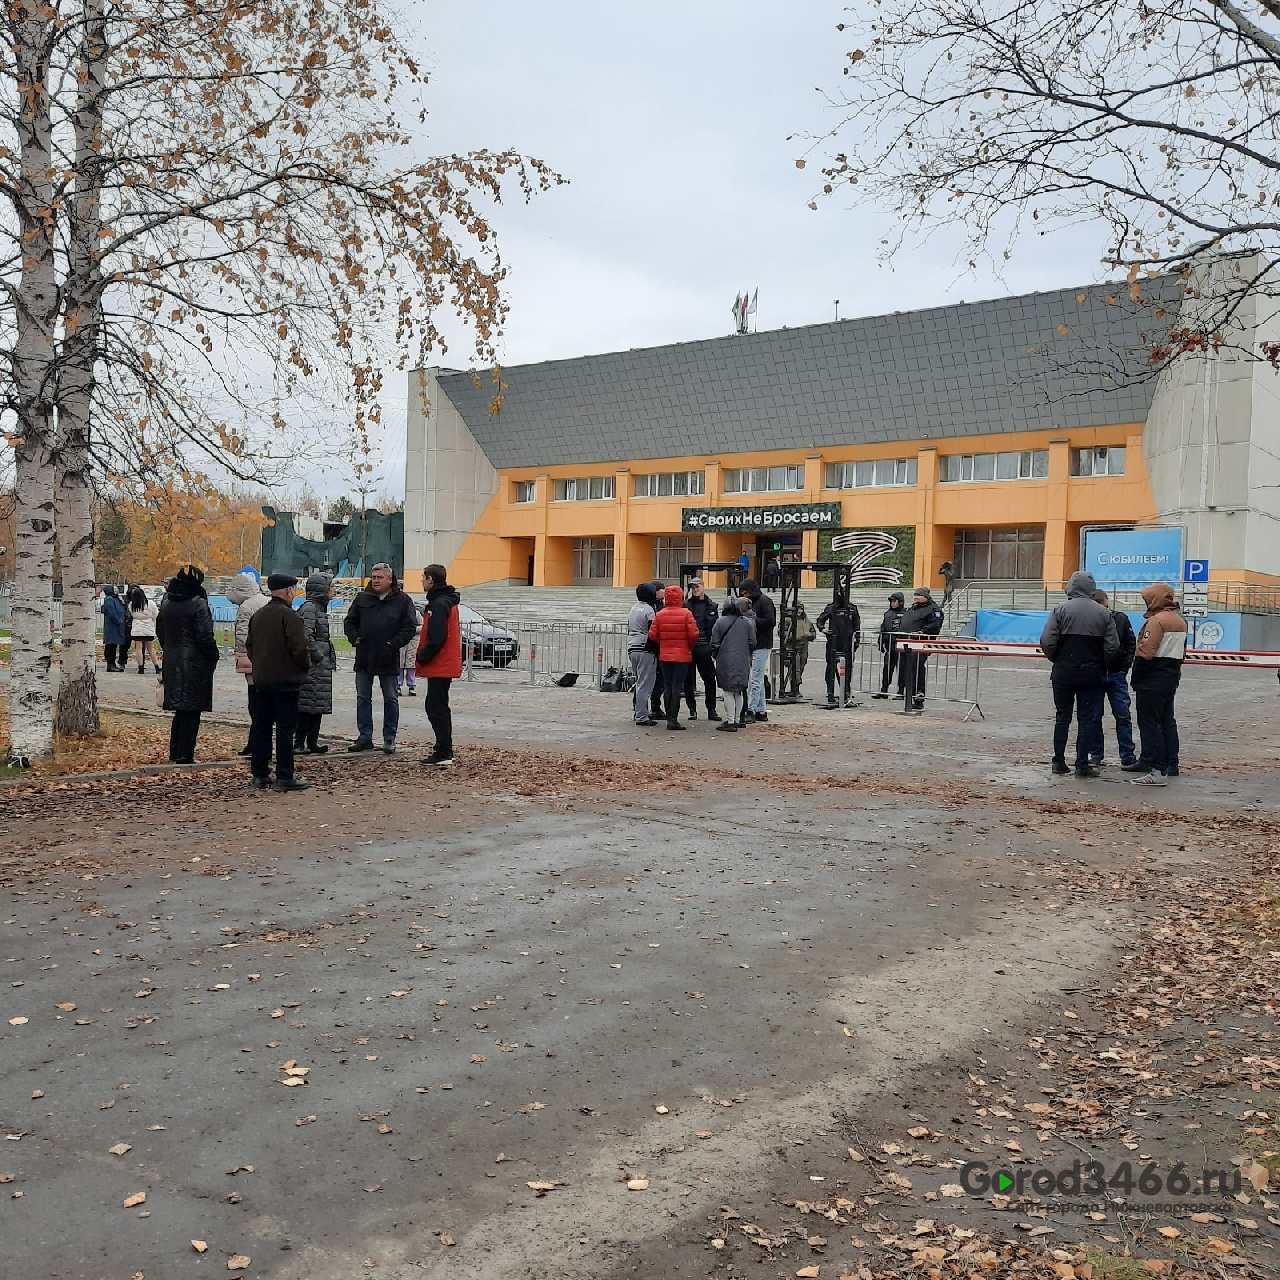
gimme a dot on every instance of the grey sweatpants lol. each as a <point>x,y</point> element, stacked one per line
<point>645,666</point>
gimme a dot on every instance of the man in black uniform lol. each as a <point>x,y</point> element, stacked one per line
<point>841,623</point>
<point>705,614</point>
<point>924,618</point>
<point>890,625</point>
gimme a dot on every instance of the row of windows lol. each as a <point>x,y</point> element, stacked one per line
<point>668,484</point>
<point>1025,464</point>
<point>1028,464</point>
<point>865,475</point>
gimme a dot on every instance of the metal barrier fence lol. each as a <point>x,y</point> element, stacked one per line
<point>545,651</point>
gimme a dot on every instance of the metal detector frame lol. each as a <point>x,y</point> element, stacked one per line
<point>788,689</point>
<point>734,573</point>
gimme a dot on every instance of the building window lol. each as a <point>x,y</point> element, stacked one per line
<point>868,475</point>
<point>670,553</point>
<point>669,484</point>
<point>523,490</point>
<point>1012,553</point>
<point>763,479</point>
<point>583,489</point>
<point>592,561</point>
<point>1028,464</point>
<point>1106,461</point>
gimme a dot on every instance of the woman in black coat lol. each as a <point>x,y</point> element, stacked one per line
<point>184,631</point>
<point>315,697</point>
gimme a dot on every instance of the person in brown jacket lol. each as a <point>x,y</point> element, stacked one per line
<point>1157,670</point>
<point>277,647</point>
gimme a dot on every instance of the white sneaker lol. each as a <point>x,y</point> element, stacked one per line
<point>1153,779</point>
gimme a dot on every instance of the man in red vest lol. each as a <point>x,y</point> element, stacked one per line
<point>439,658</point>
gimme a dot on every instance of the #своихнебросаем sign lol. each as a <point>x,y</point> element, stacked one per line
<point>785,516</point>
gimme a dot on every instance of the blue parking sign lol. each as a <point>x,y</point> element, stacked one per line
<point>1195,571</point>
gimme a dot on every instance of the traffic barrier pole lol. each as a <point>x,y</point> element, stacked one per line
<point>840,670</point>
<point>599,668</point>
<point>533,662</point>
<point>471,675</point>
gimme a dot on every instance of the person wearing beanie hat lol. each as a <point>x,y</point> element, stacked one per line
<point>245,592</point>
<point>890,625</point>
<point>184,630</point>
<point>841,623</point>
<point>641,651</point>
<point>1080,639</point>
<point>924,618</point>
<point>277,647</point>
<point>315,695</point>
<point>278,581</point>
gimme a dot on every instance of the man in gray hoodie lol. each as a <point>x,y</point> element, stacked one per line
<point>644,662</point>
<point>1080,640</point>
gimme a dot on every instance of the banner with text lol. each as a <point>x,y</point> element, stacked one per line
<point>784,517</point>
<point>1135,556</point>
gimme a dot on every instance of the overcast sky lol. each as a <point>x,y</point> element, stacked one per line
<point>670,121</point>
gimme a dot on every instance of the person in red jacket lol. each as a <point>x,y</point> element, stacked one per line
<point>675,632</point>
<point>439,658</point>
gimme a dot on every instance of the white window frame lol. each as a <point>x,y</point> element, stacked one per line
<point>845,474</point>
<point>968,463</point>
<point>518,487</point>
<point>578,489</point>
<point>760,479</point>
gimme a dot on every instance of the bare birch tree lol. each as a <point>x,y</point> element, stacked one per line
<point>224,192</point>
<point>1012,119</point>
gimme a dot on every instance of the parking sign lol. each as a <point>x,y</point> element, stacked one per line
<point>1195,571</point>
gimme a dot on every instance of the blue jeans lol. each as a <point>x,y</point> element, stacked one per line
<point>1115,689</point>
<point>1087,705</point>
<point>364,705</point>
<point>755,688</point>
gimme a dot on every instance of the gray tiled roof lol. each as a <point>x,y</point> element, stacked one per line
<point>971,369</point>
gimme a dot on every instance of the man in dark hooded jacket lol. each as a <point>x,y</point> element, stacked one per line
<point>705,614</point>
<point>1115,688</point>
<point>890,625</point>
<point>841,623</point>
<point>924,618</point>
<point>1080,640</point>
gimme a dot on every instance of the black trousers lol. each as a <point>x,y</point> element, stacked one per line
<point>703,665</point>
<point>183,733</point>
<point>109,652</point>
<point>439,714</point>
<point>834,655</point>
<point>273,709</point>
<point>912,678</point>
<point>307,734</point>
<point>888,667</point>
<point>1158,728</point>
<point>673,678</point>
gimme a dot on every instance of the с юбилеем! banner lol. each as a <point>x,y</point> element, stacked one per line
<point>1134,557</point>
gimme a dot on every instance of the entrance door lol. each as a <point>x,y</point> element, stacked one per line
<point>771,548</point>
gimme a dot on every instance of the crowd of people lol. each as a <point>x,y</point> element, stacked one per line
<point>674,640</point>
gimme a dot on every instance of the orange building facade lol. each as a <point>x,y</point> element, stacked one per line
<point>989,435</point>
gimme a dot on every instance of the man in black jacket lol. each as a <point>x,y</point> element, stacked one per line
<point>890,625</point>
<point>841,623</point>
<point>924,618</point>
<point>766,616</point>
<point>1115,689</point>
<point>705,614</point>
<point>277,647</point>
<point>1080,640</point>
<point>380,622</point>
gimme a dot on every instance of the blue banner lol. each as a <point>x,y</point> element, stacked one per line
<point>1134,556</point>
<point>1218,631</point>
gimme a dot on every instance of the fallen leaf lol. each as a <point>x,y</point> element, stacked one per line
<point>856,1156</point>
<point>7,1177</point>
<point>17,1022</point>
<point>384,1128</point>
<point>238,1261</point>
<point>542,1187</point>
<point>920,1131</point>
<point>662,1111</point>
<point>292,1081</point>
<point>477,1057</point>
<point>500,1158</point>
<point>1207,1217</point>
<point>531,1106</point>
<point>808,1272</point>
<point>37,1093</point>
<point>951,1190</point>
<point>301,1120</point>
<point>704,1133</point>
<point>129,1202</point>
<point>1170,1233</point>
<point>1259,1175</point>
<point>446,1238</point>
<point>638,1184</point>
<point>66,1008</point>
<point>199,1246</point>
<point>120,1148</point>
<point>932,1253</point>
<point>1219,1245</point>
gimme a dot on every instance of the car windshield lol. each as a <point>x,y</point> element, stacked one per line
<point>470,615</point>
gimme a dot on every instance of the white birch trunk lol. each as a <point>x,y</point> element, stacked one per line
<point>30,701</point>
<point>77,711</point>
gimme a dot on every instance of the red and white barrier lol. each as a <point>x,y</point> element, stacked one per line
<point>1010,649</point>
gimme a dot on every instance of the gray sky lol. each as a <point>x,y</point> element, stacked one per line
<point>670,122</point>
